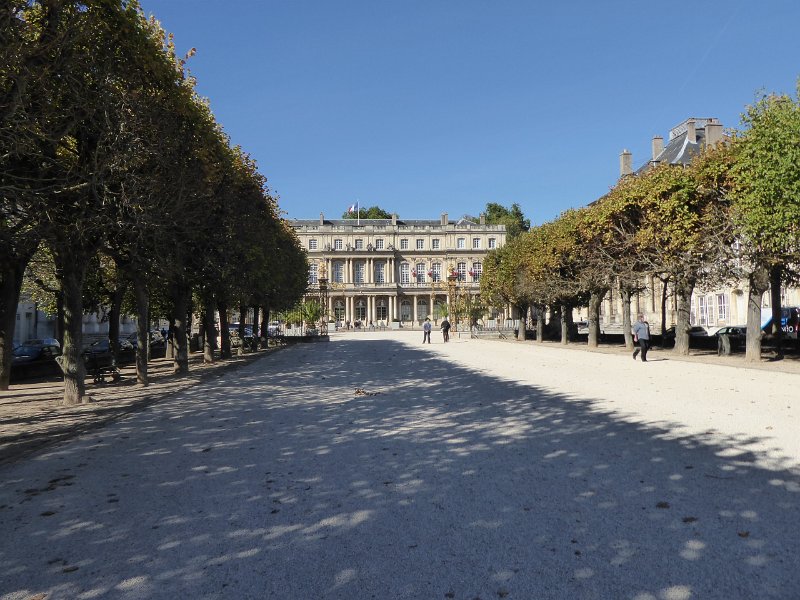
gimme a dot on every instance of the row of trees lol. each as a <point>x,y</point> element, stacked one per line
<point>732,215</point>
<point>114,170</point>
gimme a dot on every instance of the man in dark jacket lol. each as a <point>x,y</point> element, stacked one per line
<point>446,329</point>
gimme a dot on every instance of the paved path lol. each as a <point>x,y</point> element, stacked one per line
<point>374,467</point>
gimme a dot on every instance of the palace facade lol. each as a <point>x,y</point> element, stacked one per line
<point>392,271</point>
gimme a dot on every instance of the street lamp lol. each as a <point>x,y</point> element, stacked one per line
<point>452,292</point>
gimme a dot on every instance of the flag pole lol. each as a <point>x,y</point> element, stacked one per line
<point>358,212</point>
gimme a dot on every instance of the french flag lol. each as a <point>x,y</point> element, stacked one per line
<point>352,208</point>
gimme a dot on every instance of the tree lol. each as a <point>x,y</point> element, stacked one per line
<point>373,212</point>
<point>512,218</point>
<point>766,205</point>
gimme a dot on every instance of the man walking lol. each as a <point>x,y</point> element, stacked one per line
<point>446,330</point>
<point>641,334</point>
<point>426,331</point>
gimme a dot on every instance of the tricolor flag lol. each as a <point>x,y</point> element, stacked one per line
<point>352,208</point>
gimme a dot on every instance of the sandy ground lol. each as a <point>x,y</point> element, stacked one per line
<point>375,467</point>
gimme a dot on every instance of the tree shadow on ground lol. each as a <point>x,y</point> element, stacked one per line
<point>432,481</point>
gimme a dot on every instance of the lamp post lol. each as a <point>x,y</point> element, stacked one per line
<point>323,299</point>
<point>452,292</point>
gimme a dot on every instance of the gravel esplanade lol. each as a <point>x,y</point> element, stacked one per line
<point>374,467</point>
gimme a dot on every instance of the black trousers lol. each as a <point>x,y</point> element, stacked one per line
<point>644,346</point>
<point>426,337</point>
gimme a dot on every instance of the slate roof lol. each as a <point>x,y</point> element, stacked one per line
<point>382,222</point>
<point>679,150</point>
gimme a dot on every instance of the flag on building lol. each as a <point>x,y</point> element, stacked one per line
<point>352,208</point>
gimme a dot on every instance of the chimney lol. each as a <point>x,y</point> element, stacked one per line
<point>443,220</point>
<point>394,219</point>
<point>713,133</point>
<point>625,163</point>
<point>658,146</point>
<point>321,219</point>
<point>483,218</point>
<point>691,134</point>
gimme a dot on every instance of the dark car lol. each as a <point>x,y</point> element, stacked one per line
<point>737,334</point>
<point>98,354</point>
<point>158,345</point>
<point>35,361</point>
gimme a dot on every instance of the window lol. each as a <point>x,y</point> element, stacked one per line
<point>477,269</point>
<point>405,277</point>
<point>312,244</point>
<point>420,244</point>
<point>337,244</point>
<point>380,272</point>
<point>722,307</point>
<point>379,244</point>
<point>476,243</point>
<point>702,310</point>
<point>338,272</point>
<point>359,272</point>
<point>461,243</point>
<point>492,243</point>
<point>312,274</point>
<point>420,272</point>
<point>338,310</point>
<point>361,310</point>
<point>404,244</point>
<point>462,271</point>
<point>436,272</point>
<point>435,244</point>
<point>359,244</point>
<point>381,311</point>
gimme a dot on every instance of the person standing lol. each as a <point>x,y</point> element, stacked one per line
<point>426,331</point>
<point>641,334</point>
<point>446,329</point>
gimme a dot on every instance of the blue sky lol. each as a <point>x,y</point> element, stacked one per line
<point>424,107</point>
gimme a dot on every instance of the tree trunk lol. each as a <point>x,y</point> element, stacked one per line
<point>113,323</point>
<point>523,310</point>
<point>10,285</point>
<point>595,301</point>
<point>775,275</point>
<point>264,335</point>
<point>180,304</point>
<point>225,349</point>
<point>142,328</point>
<point>758,283</point>
<point>683,293</point>
<point>209,337</point>
<point>255,327</point>
<point>540,324</point>
<point>71,272</point>
<point>664,297</point>
<point>171,349</point>
<point>566,322</point>
<point>242,319</point>
<point>60,317</point>
<point>625,295</point>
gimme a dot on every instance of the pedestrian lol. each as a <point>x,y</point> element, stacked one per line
<point>426,331</point>
<point>641,334</point>
<point>446,329</point>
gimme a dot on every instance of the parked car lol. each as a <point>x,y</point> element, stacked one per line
<point>737,334</point>
<point>98,354</point>
<point>158,345</point>
<point>35,361</point>
<point>43,342</point>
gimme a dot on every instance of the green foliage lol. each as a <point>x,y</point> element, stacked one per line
<point>513,218</point>
<point>766,176</point>
<point>373,212</point>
